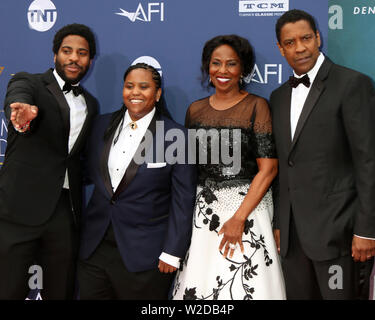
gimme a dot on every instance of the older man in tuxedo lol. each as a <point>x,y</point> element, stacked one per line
<point>323,121</point>
<point>40,181</point>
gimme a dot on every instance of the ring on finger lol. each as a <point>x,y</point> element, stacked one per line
<point>232,246</point>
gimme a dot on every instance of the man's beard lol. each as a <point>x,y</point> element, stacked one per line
<point>60,71</point>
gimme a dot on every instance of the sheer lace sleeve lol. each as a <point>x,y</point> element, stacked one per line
<point>251,118</point>
<point>264,143</point>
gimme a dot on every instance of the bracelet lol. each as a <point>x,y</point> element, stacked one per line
<point>24,128</point>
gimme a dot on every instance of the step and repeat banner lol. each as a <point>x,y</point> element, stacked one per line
<point>350,43</point>
<point>350,35</point>
<point>169,34</point>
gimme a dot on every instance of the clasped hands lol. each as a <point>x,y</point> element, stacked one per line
<point>21,114</point>
<point>232,230</point>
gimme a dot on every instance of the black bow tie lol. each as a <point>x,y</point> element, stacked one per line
<point>77,90</point>
<point>294,82</point>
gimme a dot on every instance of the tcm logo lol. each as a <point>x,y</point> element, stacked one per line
<point>42,15</point>
<point>260,7</point>
<point>153,10</point>
<point>150,61</point>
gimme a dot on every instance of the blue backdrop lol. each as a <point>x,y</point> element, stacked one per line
<point>173,32</point>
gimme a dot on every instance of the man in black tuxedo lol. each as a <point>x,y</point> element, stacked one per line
<point>325,201</point>
<point>40,181</point>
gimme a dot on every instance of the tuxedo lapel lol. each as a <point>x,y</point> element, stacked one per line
<point>316,90</point>
<point>104,164</point>
<point>133,166</point>
<point>54,88</point>
<point>285,116</point>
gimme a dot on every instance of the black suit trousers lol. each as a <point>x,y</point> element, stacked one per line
<point>306,279</point>
<point>103,276</point>
<point>52,246</point>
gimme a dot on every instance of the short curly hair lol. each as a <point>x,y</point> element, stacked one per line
<point>293,16</point>
<point>242,47</point>
<point>75,29</point>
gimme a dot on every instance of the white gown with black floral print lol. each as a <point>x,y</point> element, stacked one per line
<point>255,274</point>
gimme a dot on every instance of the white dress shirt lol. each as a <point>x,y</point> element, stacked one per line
<point>299,95</point>
<point>127,144</point>
<point>123,152</point>
<point>78,113</point>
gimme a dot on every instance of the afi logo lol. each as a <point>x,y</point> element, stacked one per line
<point>153,8</point>
<point>42,15</point>
<point>263,76</point>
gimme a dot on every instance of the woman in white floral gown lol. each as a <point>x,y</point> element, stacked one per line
<point>232,253</point>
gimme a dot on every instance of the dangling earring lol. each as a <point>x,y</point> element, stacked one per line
<point>241,79</point>
<point>209,80</point>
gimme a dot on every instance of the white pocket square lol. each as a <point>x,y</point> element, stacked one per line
<point>156,165</point>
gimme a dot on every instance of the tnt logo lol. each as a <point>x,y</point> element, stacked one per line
<point>153,10</point>
<point>42,15</point>
<point>150,61</point>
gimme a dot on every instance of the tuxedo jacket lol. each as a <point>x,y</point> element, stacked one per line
<point>32,176</point>
<point>327,172</point>
<point>152,208</point>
